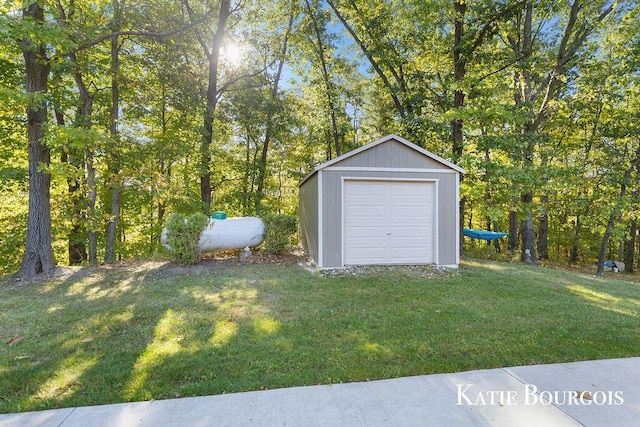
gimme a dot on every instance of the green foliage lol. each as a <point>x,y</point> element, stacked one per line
<point>280,232</point>
<point>183,235</point>
<point>268,133</point>
<point>13,225</point>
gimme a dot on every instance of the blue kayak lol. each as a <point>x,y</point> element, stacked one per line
<point>484,235</point>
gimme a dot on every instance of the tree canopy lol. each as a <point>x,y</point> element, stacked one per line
<point>115,113</point>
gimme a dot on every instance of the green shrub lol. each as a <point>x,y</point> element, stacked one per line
<point>280,230</point>
<point>183,235</point>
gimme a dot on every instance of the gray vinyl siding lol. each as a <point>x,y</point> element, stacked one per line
<point>449,228</point>
<point>392,154</point>
<point>332,211</point>
<point>308,215</point>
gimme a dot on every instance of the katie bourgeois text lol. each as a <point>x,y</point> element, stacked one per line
<point>532,396</point>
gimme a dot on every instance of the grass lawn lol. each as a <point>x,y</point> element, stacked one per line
<point>155,331</point>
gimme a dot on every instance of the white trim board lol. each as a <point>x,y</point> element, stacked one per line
<point>383,178</point>
<point>320,223</point>
<point>436,222</point>
<point>376,169</point>
<point>457,214</point>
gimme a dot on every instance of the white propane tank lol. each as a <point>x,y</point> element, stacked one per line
<point>230,233</point>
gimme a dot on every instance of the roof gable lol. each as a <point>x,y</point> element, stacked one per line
<point>419,150</point>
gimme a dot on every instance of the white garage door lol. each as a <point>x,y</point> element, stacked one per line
<point>388,222</point>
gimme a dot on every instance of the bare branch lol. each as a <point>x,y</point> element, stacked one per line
<point>498,14</point>
<point>504,67</point>
<point>367,52</point>
<point>203,44</point>
<point>151,34</point>
<point>566,54</point>
<point>234,80</point>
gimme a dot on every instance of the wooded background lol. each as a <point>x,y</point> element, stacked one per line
<point>114,113</point>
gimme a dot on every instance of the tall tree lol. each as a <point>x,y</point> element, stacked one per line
<point>38,256</point>
<point>320,49</point>
<point>78,156</point>
<point>536,91</point>
<point>466,41</point>
<point>271,118</point>
<point>211,49</point>
<point>114,179</point>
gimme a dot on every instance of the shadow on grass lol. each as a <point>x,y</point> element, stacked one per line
<point>108,335</point>
<point>89,322</point>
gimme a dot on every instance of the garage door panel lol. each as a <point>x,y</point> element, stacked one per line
<point>410,189</point>
<point>360,189</point>
<point>368,242</point>
<point>368,200</point>
<point>367,255</point>
<point>414,202</point>
<point>388,222</point>
<point>407,256</point>
<point>419,196</point>
<point>408,244</point>
<point>406,232</point>
<point>355,212</point>
<point>415,212</point>
<point>368,232</point>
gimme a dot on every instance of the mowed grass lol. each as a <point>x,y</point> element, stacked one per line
<point>155,331</point>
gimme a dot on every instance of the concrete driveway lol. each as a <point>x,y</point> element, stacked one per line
<point>591,393</point>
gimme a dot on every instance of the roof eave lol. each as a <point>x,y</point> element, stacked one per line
<point>380,141</point>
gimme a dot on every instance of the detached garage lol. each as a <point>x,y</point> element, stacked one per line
<point>388,202</point>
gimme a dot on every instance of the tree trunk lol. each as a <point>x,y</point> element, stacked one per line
<point>459,72</point>
<point>620,250</point>
<point>74,156</point>
<point>164,169</point>
<point>329,85</point>
<point>543,230</point>
<point>273,97</point>
<point>77,252</point>
<point>213,58</point>
<point>112,225</point>
<point>573,255</point>
<point>38,255</point>
<point>459,67</point>
<point>527,234</point>
<point>615,215</point>
<point>605,242</point>
<point>85,121</point>
<point>461,216</point>
<point>92,227</point>
<point>496,242</point>
<point>512,240</point>
<point>630,246</point>
<point>528,254</point>
<point>114,167</point>
<point>262,166</point>
<point>76,240</point>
